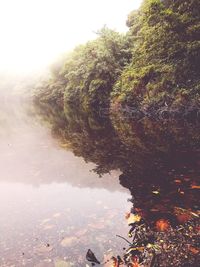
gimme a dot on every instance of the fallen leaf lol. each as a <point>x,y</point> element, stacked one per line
<point>133,218</point>
<point>194,250</point>
<point>162,225</point>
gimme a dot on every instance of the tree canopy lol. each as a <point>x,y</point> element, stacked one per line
<point>165,66</point>
<point>155,64</point>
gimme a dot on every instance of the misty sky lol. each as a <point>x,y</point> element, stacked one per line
<point>34,32</point>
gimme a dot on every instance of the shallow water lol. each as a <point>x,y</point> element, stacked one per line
<point>52,206</point>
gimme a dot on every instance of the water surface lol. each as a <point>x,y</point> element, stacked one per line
<point>52,206</point>
<point>73,181</point>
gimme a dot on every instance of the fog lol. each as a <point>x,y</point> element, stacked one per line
<point>34,35</point>
<point>29,154</point>
<point>46,193</point>
<point>35,32</point>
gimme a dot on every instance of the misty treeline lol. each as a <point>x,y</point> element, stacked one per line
<point>140,89</point>
<point>154,65</point>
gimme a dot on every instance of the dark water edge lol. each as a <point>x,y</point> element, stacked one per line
<point>158,158</point>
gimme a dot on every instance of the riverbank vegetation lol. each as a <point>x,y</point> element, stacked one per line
<point>155,65</point>
<point>131,102</point>
<point>142,87</point>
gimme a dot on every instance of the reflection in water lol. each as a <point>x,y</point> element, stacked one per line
<point>53,208</point>
<point>43,225</point>
<point>30,156</point>
<point>159,164</point>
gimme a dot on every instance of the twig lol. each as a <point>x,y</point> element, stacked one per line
<point>124,239</point>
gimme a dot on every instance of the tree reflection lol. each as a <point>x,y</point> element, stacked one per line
<point>159,164</point>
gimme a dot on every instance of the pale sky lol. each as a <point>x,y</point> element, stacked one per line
<point>34,32</point>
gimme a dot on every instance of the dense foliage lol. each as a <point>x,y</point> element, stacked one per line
<point>154,67</point>
<point>165,67</point>
<point>131,103</point>
<point>142,88</point>
<point>86,78</point>
<point>92,70</point>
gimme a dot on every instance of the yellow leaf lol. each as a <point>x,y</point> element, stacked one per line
<point>133,218</point>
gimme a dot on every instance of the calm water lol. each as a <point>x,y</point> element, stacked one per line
<point>54,205</point>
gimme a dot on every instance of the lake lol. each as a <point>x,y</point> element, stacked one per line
<point>64,190</point>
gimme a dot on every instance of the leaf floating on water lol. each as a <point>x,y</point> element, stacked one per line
<point>91,257</point>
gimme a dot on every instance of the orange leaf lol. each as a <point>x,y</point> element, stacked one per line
<point>162,225</point>
<point>194,250</point>
<point>195,186</point>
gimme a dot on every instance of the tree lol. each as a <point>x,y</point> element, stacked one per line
<point>165,67</point>
<point>93,68</point>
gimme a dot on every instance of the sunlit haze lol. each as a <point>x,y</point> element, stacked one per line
<point>35,32</point>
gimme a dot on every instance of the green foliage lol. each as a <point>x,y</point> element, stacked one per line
<point>166,59</point>
<point>154,68</point>
<point>92,70</point>
<point>156,63</point>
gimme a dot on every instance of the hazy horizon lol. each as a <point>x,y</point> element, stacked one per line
<point>35,33</point>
